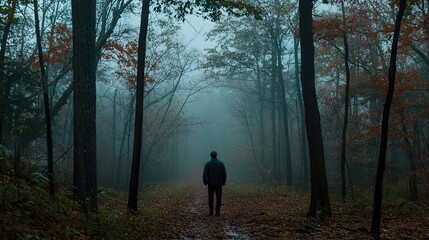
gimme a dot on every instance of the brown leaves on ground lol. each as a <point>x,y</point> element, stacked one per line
<point>180,211</point>
<point>266,212</point>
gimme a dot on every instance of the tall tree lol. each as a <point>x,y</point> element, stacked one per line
<point>135,168</point>
<point>378,194</point>
<point>84,102</point>
<point>5,83</point>
<point>319,182</point>
<point>346,106</point>
<point>301,120</point>
<point>275,171</point>
<point>114,114</point>
<point>46,102</point>
<point>277,35</point>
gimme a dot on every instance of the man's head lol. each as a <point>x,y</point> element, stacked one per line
<point>213,154</point>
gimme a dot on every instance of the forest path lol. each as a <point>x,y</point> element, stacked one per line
<point>264,212</point>
<point>197,224</point>
<point>180,211</point>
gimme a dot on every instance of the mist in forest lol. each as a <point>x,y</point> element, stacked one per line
<point>232,85</point>
<point>181,157</point>
<point>322,101</point>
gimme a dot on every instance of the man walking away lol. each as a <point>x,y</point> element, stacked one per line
<point>215,176</point>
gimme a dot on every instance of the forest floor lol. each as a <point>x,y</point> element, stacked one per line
<point>180,211</point>
<point>261,212</point>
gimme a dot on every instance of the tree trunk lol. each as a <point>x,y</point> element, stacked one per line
<point>303,142</point>
<point>261,114</point>
<point>346,108</point>
<point>114,137</point>
<point>125,138</point>
<point>5,83</point>
<point>273,116</point>
<point>252,142</point>
<point>46,103</point>
<point>319,184</point>
<point>288,163</point>
<point>378,194</point>
<point>138,130</point>
<point>84,102</point>
<point>412,156</point>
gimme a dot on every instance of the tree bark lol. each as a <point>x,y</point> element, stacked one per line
<point>46,103</point>
<point>84,102</point>
<point>378,194</point>
<point>319,203</point>
<point>135,168</point>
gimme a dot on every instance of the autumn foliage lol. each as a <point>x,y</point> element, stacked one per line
<point>58,45</point>
<point>125,58</point>
<point>369,27</point>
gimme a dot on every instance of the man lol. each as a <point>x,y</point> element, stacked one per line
<point>215,176</point>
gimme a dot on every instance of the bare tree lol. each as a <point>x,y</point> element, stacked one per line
<point>5,83</point>
<point>46,102</point>
<point>378,194</point>
<point>346,107</point>
<point>135,168</point>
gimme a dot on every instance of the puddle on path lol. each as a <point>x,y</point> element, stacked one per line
<point>201,226</point>
<point>193,209</point>
<point>235,233</point>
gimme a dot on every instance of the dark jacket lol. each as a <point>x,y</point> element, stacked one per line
<point>214,173</point>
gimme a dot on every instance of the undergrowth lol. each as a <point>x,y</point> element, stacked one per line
<point>27,211</point>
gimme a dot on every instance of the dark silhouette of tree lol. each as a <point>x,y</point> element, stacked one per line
<point>46,102</point>
<point>138,129</point>
<point>275,171</point>
<point>84,102</point>
<point>114,114</point>
<point>301,120</point>
<point>319,203</point>
<point>277,36</point>
<point>378,194</point>
<point>5,83</point>
<point>346,107</point>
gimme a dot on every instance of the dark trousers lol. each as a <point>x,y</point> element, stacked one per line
<point>212,190</point>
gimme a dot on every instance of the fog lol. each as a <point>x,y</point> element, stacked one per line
<point>222,86</point>
<point>210,125</point>
<point>213,132</point>
<point>100,98</point>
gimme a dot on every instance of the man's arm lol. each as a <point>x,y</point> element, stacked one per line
<point>224,174</point>
<point>205,175</point>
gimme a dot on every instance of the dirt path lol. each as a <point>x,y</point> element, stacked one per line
<point>197,224</point>
<point>258,212</point>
